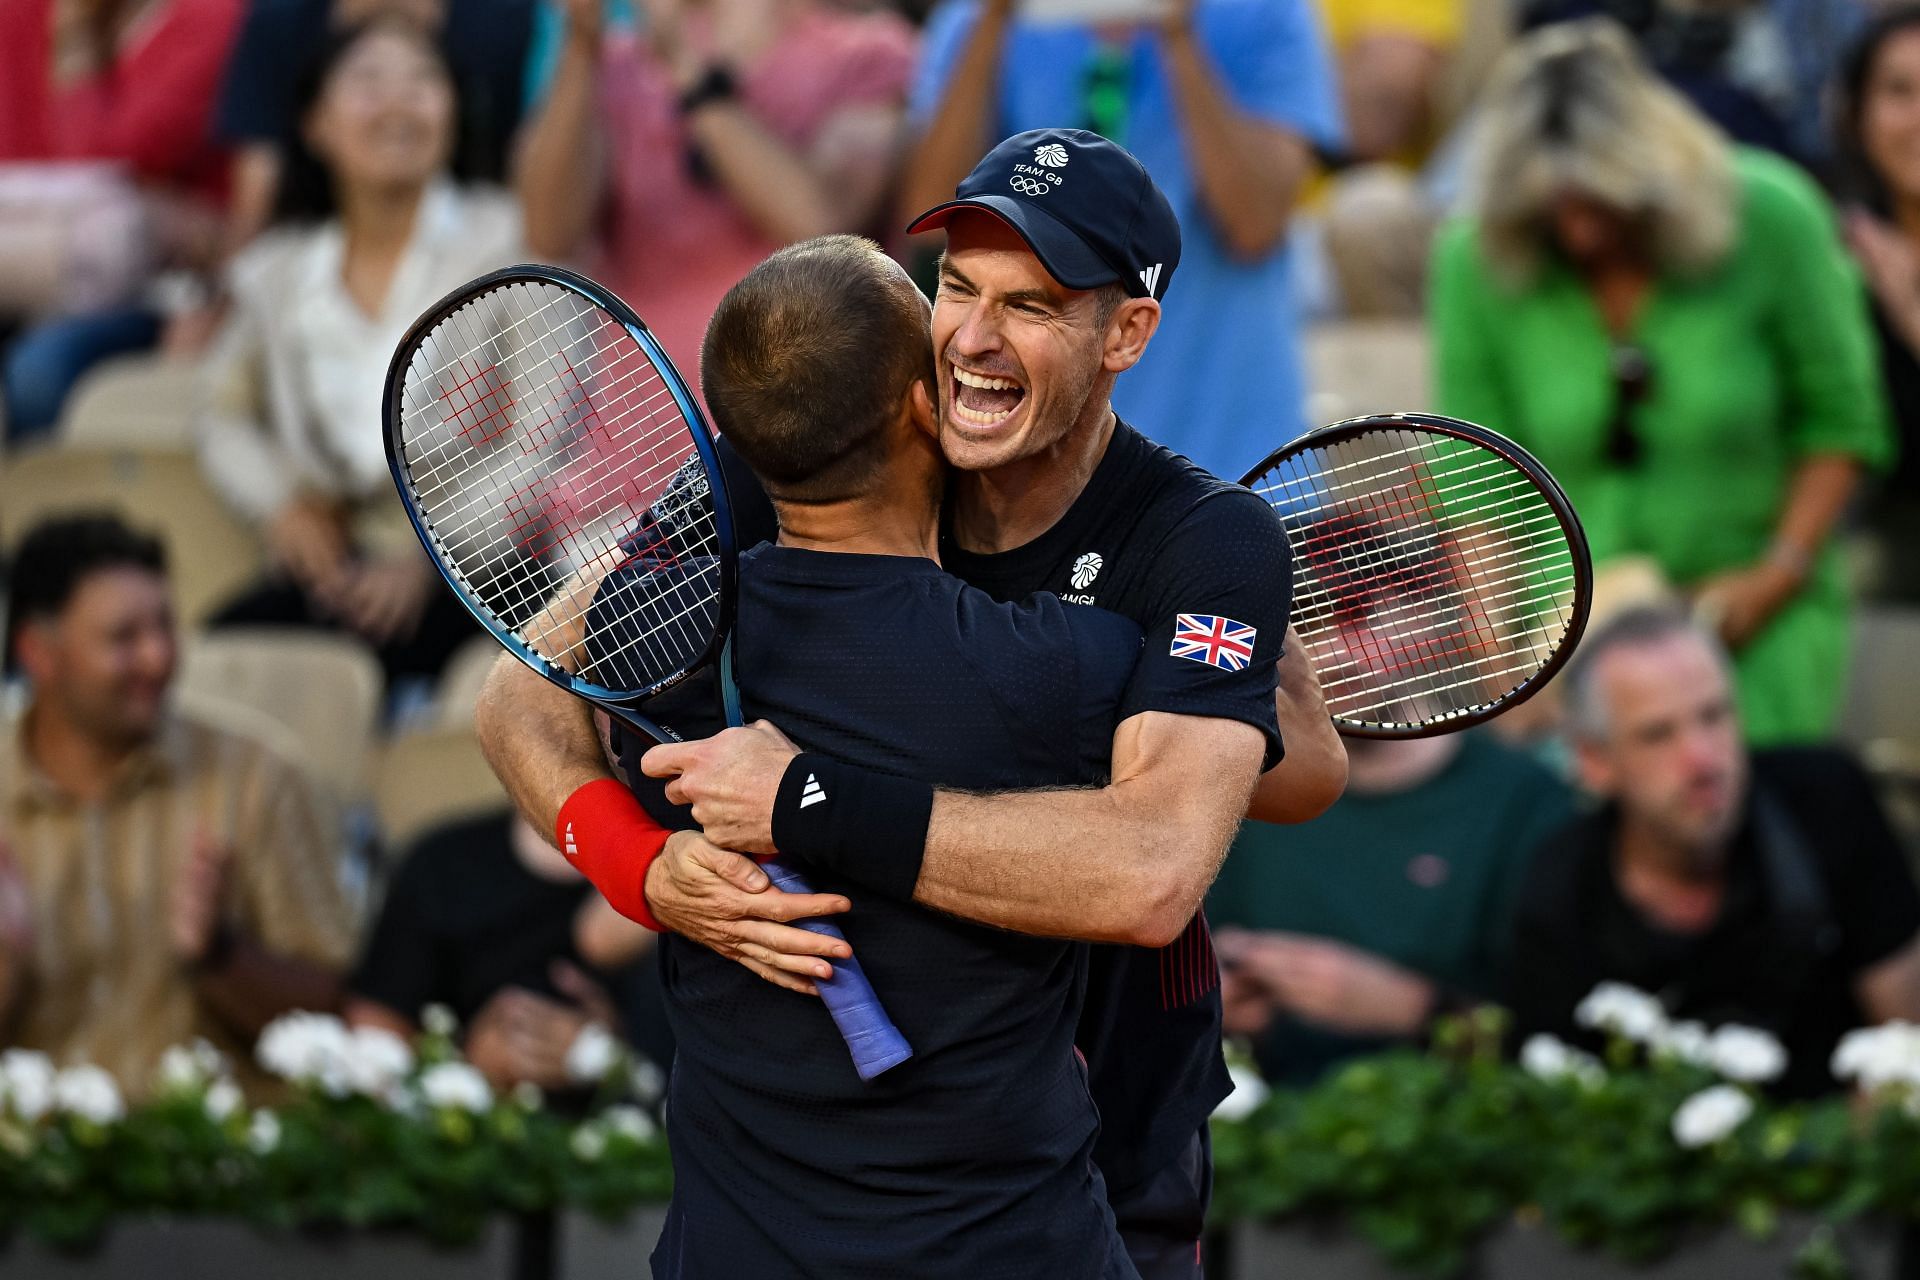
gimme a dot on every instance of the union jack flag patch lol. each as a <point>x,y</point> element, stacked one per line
<point>1216,641</point>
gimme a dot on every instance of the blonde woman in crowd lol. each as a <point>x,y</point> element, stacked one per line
<point>372,230</point>
<point>1670,322</point>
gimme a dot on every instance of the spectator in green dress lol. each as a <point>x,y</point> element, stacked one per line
<point>1351,932</point>
<point>1671,323</point>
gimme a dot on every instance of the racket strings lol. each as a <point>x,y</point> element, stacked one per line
<point>1432,577</point>
<point>554,470</point>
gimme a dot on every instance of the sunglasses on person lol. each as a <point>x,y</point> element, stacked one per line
<point>1632,372</point>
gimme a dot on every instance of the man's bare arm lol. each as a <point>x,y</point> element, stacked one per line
<point>1129,862</point>
<point>1313,774</point>
<point>1890,990</point>
<point>539,739</point>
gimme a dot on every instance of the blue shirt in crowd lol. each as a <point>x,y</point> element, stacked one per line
<point>1221,382</point>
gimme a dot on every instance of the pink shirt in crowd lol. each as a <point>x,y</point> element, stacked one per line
<point>152,109</point>
<point>674,247</point>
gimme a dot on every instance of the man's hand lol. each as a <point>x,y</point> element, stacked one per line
<point>194,905</point>
<point>1329,983</point>
<point>730,779</point>
<point>519,1036</point>
<point>724,902</point>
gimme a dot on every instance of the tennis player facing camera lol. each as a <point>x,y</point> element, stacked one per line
<point>972,1158</point>
<point>1060,251</point>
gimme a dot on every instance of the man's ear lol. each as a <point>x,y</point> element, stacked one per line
<point>1128,332</point>
<point>919,407</point>
<point>1595,766</point>
<point>33,643</point>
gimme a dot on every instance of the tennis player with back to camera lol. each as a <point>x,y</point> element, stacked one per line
<point>1047,294</point>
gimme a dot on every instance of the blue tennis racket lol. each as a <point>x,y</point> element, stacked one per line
<point>562,478</point>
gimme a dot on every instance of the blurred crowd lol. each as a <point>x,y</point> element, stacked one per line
<point>1670,246</point>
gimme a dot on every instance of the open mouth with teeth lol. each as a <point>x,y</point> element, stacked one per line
<point>980,401</point>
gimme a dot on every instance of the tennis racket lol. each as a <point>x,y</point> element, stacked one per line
<point>1440,574</point>
<point>561,477</point>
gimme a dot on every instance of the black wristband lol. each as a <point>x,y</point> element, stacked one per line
<point>716,84</point>
<point>868,826</point>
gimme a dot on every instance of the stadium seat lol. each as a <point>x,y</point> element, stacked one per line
<point>1882,717</point>
<point>458,691</point>
<point>135,401</point>
<point>1366,366</point>
<point>324,690</point>
<point>428,778</point>
<point>211,555</point>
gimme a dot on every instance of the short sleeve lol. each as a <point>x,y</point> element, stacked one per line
<point>401,966</point>
<point>1215,618</point>
<point>1818,317</point>
<point>1874,898</point>
<point>1275,62</point>
<point>940,45</point>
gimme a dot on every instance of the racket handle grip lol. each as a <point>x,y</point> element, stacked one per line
<point>876,1044</point>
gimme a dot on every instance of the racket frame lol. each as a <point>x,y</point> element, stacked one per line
<point>1557,501</point>
<point>618,702</point>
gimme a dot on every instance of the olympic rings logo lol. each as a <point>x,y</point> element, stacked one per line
<point>1028,186</point>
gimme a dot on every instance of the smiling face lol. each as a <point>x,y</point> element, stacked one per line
<point>105,661</point>
<point>384,117</point>
<point>1022,360</point>
<point>1890,114</point>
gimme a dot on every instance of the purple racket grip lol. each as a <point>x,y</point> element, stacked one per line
<point>876,1044</point>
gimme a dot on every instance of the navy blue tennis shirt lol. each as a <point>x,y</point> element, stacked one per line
<point>1157,539</point>
<point>974,1158</point>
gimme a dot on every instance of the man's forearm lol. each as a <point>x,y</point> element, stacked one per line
<point>253,985</point>
<point>958,134</point>
<point>1129,862</point>
<point>1313,773</point>
<point>539,739</point>
<point>1249,172</point>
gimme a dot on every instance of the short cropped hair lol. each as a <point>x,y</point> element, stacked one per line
<point>1637,628</point>
<point>60,554</point>
<point>806,361</point>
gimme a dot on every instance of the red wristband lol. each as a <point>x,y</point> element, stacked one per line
<point>612,841</point>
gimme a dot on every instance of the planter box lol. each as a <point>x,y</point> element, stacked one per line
<point>1325,1251</point>
<point>213,1249</point>
<point>587,1248</point>
<point>1524,1252</point>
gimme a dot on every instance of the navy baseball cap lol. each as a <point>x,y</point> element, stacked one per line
<point>1089,211</point>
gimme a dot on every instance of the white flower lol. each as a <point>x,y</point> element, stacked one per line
<point>438,1020</point>
<point>309,1048</point>
<point>1249,1091</point>
<point>1547,1058</point>
<point>455,1084</point>
<point>528,1096</point>
<point>26,1083</point>
<point>588,1142</point>
<point>1687,1042</point>
<point>1710,1115</point>
<point>1747,1055</point>
<point>377,1060</point>
<point>1875,1057</point>
<point>88,1092</point>
<point>645,1081</point>
<point>629,1122</point>
<point>1622,1010</point>
<point>592,1054</point>
<point>263,1134</point>
<point>222,1100</point>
